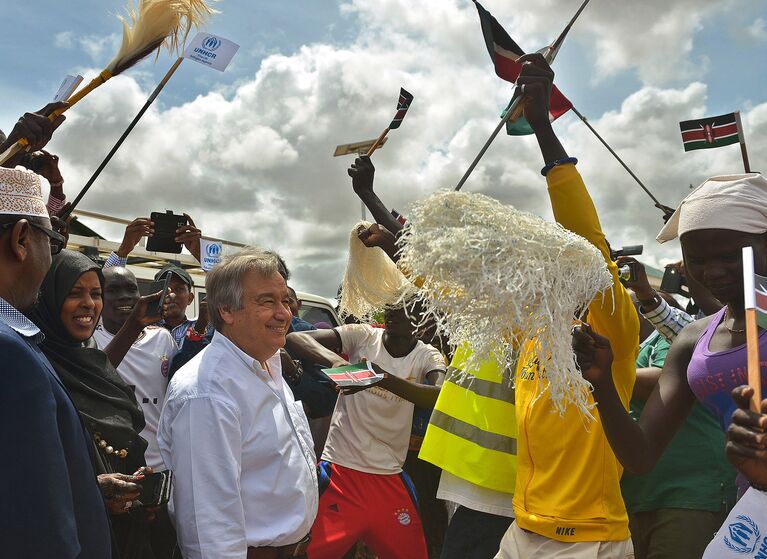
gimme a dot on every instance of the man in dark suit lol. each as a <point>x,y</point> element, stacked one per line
<point>51,505</point>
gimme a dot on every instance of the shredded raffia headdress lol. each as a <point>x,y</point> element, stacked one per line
<point>498,278</point>
<point>371,281</point>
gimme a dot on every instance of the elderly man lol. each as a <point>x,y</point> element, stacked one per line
<point>239,444</point>
<point>51,504</point>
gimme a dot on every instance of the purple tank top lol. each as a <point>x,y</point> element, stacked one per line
<point>712,376</point>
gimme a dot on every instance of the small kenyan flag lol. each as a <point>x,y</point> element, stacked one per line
<point>403,105</point>
<point>712,132</point>
<point>760,284</point>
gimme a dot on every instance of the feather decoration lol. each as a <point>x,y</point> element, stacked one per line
<point>150,26</point>
<point>503,281</point>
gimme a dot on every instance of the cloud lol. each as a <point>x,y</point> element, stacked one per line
<point>95,46</point>
<point>253,162</point>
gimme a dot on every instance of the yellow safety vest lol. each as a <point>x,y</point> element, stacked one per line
<point>472,432</point>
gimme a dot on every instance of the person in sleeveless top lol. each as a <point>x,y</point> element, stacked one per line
<point>708,359</point>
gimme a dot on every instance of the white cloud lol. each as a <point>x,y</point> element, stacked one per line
<point>95,46</point>
<point>253,163</point>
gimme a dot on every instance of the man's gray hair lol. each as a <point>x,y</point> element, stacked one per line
<point>223,284</point>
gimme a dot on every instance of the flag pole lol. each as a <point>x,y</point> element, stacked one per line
<point>517,106</point>
<point>122,138</point>
<point>752,333</point>
<point>377,142</point>
<point>742,139</point>
<point>585,121</point>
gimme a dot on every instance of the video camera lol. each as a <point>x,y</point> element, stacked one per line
<point>630,250</point>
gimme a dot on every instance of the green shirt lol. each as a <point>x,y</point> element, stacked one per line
<point>693,472</point>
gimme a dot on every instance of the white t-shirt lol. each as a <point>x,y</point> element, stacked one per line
<point>370,430</point>
<point>145,368</point>
<point>467,494</point>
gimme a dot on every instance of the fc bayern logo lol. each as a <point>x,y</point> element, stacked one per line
<point>403,516</point>
<point>211,43</point>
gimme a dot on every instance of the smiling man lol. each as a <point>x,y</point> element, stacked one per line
<point>239,444</point>
<point>145,365</point>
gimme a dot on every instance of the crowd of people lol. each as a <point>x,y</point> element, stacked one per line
<point>103,391</point>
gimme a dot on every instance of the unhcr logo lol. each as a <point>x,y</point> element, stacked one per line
<point>742,535</point>
<point>208,46</point>
<point>213,250</point>
<point>211,43</point>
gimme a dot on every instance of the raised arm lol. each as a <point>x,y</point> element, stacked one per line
<point>362,172</point>
<point>613,313</point>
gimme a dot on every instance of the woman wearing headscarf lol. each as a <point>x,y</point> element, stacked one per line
<point>67,312</point>
<point>708,359</point>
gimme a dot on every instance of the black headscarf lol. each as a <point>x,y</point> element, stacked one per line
<point>106,403</point>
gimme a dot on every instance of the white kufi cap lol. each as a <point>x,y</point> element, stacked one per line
<point>21,193</point>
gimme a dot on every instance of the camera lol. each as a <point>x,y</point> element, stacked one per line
<point>630,250</point>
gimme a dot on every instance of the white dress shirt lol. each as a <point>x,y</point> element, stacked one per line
<point>241,452</point>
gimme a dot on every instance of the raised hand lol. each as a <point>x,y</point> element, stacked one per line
<point>139,227</point>
<point>362,172</point>
<point>641,286</point>
<point>189,236</point>
<point>36,128</point>
<point>534,82</point>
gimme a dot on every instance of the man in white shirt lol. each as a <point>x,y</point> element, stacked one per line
<point>146,364</point>
<point>238,443</point>
<point>365,493</point>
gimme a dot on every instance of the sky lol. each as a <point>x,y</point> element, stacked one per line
<point>248,152</point>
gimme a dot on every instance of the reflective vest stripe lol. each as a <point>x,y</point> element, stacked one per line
<point>485,439</point>
<point>481,387</point>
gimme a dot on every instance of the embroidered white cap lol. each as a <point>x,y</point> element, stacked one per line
<point>21,193</point>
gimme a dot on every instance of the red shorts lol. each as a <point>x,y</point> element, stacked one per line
<point>379,509</point>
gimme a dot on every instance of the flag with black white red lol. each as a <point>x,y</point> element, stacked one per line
<point>505,53</point>
<point>403,105</point>
<point>711,132</point>
<point>760,292</point>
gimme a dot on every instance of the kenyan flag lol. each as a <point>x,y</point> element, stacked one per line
<point>712,132</point>
<point>760,284</point>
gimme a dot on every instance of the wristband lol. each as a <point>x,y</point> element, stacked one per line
<point>649,303</point>
<point>549,166</point>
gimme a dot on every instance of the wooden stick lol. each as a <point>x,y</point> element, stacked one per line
<point>752,334</point>
<point>604,143</point>
<point>754,370</point>
<point>122,138</point>
<point>742,138</point>
<point>377,142</point>
<point>489,141</point>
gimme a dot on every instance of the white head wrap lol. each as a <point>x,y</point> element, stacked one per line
<point>21,193</point>
<point>734,202</point>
